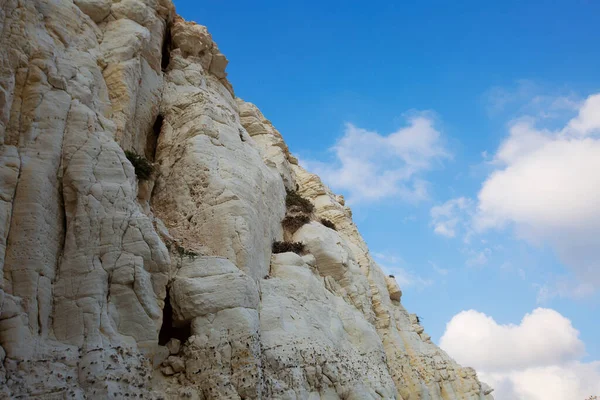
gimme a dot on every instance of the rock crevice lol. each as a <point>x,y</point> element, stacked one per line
<point>118,287</point>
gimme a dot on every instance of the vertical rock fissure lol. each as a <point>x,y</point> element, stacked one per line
<point>152,140</point>
<point>166,48</point>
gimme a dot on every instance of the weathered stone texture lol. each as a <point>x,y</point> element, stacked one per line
<point>116,287</point>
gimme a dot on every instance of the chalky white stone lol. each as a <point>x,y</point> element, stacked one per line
<point>114,287</point>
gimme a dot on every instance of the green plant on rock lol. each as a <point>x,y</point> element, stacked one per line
<point>328,223</point>
<point>294,222</point>
<point>284,247</point>
<point>293,199</point>
<point>143,167</point>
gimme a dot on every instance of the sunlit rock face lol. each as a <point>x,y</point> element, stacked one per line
<point>114,286</point>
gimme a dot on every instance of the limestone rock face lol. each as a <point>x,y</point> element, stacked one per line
<point>269,141</point>
<point>335,260</point>
<point>331,350</point>
<point>118,287</point>
<point>232,204</point>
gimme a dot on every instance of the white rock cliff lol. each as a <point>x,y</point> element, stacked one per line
<point>119,287</point>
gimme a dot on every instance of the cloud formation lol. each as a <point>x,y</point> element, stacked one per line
<point>528,97</point>
<point>446,218</point>
<point>369,166</point>
<point>563,287</point>
<point>538,359</point>
<point>543,338</point>
<point>546,184</point>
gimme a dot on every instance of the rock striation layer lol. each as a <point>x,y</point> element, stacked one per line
<point>114,286</point>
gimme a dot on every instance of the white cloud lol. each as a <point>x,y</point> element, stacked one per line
<point>370,166</point>
<point>539,359</point>
<point>546,184</point>
<point>543,338</point>
<point>562,288</point>
<point>528,97</point>
<point>571,381</point>
<point>446,218</point>
<point>588,120</point>
<point>454,217</point>
<point>478,258</point>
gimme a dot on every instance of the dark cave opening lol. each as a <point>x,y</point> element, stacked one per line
<point>166,49</point>
<point>152,140</point>
<point>168,330</point>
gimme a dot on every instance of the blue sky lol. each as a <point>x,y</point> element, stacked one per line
<point>486,76</point>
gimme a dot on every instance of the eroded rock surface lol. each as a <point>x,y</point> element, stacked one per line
<point>118,287</point>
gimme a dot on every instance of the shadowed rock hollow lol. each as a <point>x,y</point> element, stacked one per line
<point>118,287</point>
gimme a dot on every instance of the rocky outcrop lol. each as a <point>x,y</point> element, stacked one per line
<point>118,286</point>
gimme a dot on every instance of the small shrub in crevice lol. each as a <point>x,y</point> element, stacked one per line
<point>284,247</point>
<point>391,276</point>
<point>328,224</point>
<point>293,199</point>
<point>182,251</point>
<point>143,167</point>
<point>294,222</point>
